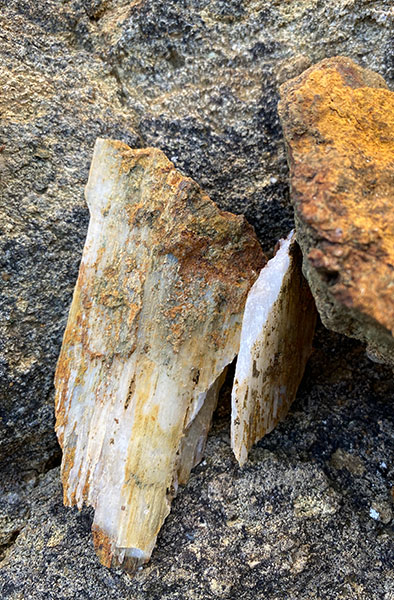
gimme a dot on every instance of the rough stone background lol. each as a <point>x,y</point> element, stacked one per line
<point>199,80</point>
<point>294,523</point>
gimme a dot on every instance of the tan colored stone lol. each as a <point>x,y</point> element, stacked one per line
<point>155,319</point>
<point>344,460</point>
<point>338,121</point>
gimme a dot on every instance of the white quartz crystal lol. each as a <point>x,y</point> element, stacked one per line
<point>155,318</point>
<point>276,337</point>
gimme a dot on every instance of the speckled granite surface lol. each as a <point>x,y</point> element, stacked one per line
<point>199,80</point>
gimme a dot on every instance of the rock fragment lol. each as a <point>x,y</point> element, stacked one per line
<point>338,121</point>
<point>276,342</point>
<point>155,319</point>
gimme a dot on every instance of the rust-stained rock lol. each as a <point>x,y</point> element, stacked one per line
<point>276,342</point>
<point>338,121</point>
<point>156,317</point>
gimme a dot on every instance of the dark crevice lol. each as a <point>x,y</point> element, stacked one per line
<point>5,548</point>
<point>53,461</point>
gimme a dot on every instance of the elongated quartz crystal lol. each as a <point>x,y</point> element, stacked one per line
<point>155,318</point>
<point>276,342</point>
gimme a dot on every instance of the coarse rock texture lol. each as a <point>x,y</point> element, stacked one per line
<point>276,341</point>
<point>338,121</point>
<point>309,517</point>
<point>56,98</point>
<point>198,79</point>
<point>154,322</point>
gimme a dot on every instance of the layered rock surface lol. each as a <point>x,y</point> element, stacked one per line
<point>155,319</point>
<point>276,342</point>
<point>338,121</point>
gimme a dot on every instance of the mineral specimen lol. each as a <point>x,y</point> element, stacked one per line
<point>156,317</point>
<point>276,341</point>
<point>338,121</point>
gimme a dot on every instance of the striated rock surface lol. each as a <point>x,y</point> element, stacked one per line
<point>338,120</point>
<point>155,319</point>
<point>276,342</point>
<point>197,79</point>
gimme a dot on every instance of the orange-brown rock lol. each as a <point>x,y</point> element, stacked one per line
<point>155,319</point>
<point>338,122</point>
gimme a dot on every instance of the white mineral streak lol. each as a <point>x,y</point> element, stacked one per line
<point>276,338</point>
<point>155,318</point>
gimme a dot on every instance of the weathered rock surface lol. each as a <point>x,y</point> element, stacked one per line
<point>155,320</point>
<point>56,99</point>
<point>276,341</point>
<point>196,78</point>
<point>338,120</point>
<point>293,523</point>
